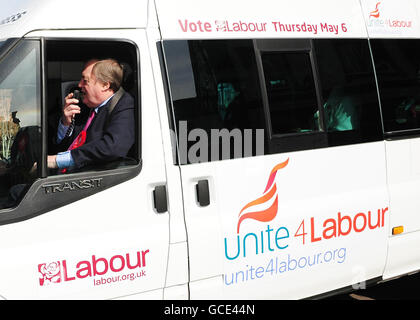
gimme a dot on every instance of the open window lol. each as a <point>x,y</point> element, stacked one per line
<point>64,68</point>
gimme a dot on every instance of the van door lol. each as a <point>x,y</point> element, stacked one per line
<point>99,233</point>
<point>300,209</point>
<point>397,66</point>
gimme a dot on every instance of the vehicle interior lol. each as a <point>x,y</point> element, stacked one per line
<point>65,61</point>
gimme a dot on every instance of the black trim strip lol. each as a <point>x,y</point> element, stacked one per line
<point>318,87</point>
<point>169,106</point>
<point>54,192</point>
<point>263,90</point>
<point>403,134</point>
<point>44,111</point>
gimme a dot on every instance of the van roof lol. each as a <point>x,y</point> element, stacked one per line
<point>25,16</point>
<point>286,19</point>
<point>201,19</point>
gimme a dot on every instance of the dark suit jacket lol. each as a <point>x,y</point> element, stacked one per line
<point>106,139</point>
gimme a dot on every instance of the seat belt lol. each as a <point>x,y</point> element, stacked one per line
<point>114,102</point>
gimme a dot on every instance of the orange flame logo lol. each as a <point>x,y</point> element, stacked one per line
<point>267,214</point>
<point>375,13</point>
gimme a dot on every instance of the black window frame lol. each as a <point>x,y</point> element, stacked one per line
<point>288,142</point>
<point>51,192</point>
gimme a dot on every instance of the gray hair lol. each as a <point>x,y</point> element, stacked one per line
<point>109,70</point>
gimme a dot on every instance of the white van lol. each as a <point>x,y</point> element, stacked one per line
<point>276,153</point>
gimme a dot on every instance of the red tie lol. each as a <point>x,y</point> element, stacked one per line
<point>81,137</point>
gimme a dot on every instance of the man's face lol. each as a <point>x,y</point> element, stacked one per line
<point>93,90</point>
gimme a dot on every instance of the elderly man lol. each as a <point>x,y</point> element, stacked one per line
<point>105,136</point>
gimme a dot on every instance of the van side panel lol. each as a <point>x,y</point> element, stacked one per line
<point>308,214</point>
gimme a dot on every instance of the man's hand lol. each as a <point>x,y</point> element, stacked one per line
<point>51,162</point>
<point>33,169</point>
<point>70,109</point>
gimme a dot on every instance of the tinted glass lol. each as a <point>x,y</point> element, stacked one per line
<point>397,65</point>
<point>291,92</point>
<point>19,121</point>
<point>6,45</point>
<point>216,99</point>
<point>349,94</point>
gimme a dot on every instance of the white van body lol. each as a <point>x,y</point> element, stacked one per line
<point>333,209</point>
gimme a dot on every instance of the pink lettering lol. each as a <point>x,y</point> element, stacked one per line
<point>199,26</point>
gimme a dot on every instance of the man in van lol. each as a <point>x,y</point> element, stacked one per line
<point>108,132</point>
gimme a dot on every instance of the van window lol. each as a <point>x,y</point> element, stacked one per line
<point>291,92</point>
<point>348,91</point>
<point>20,122</point>
<point>319,93</point>
<point>64,69</point>
<point>397,65</point>
<point>305,94</point>
<point>216,99</point>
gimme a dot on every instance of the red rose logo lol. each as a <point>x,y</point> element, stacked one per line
<point>50,273</point>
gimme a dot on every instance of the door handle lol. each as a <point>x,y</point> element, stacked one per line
<point>160,199</point>
<point>203,193</point>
